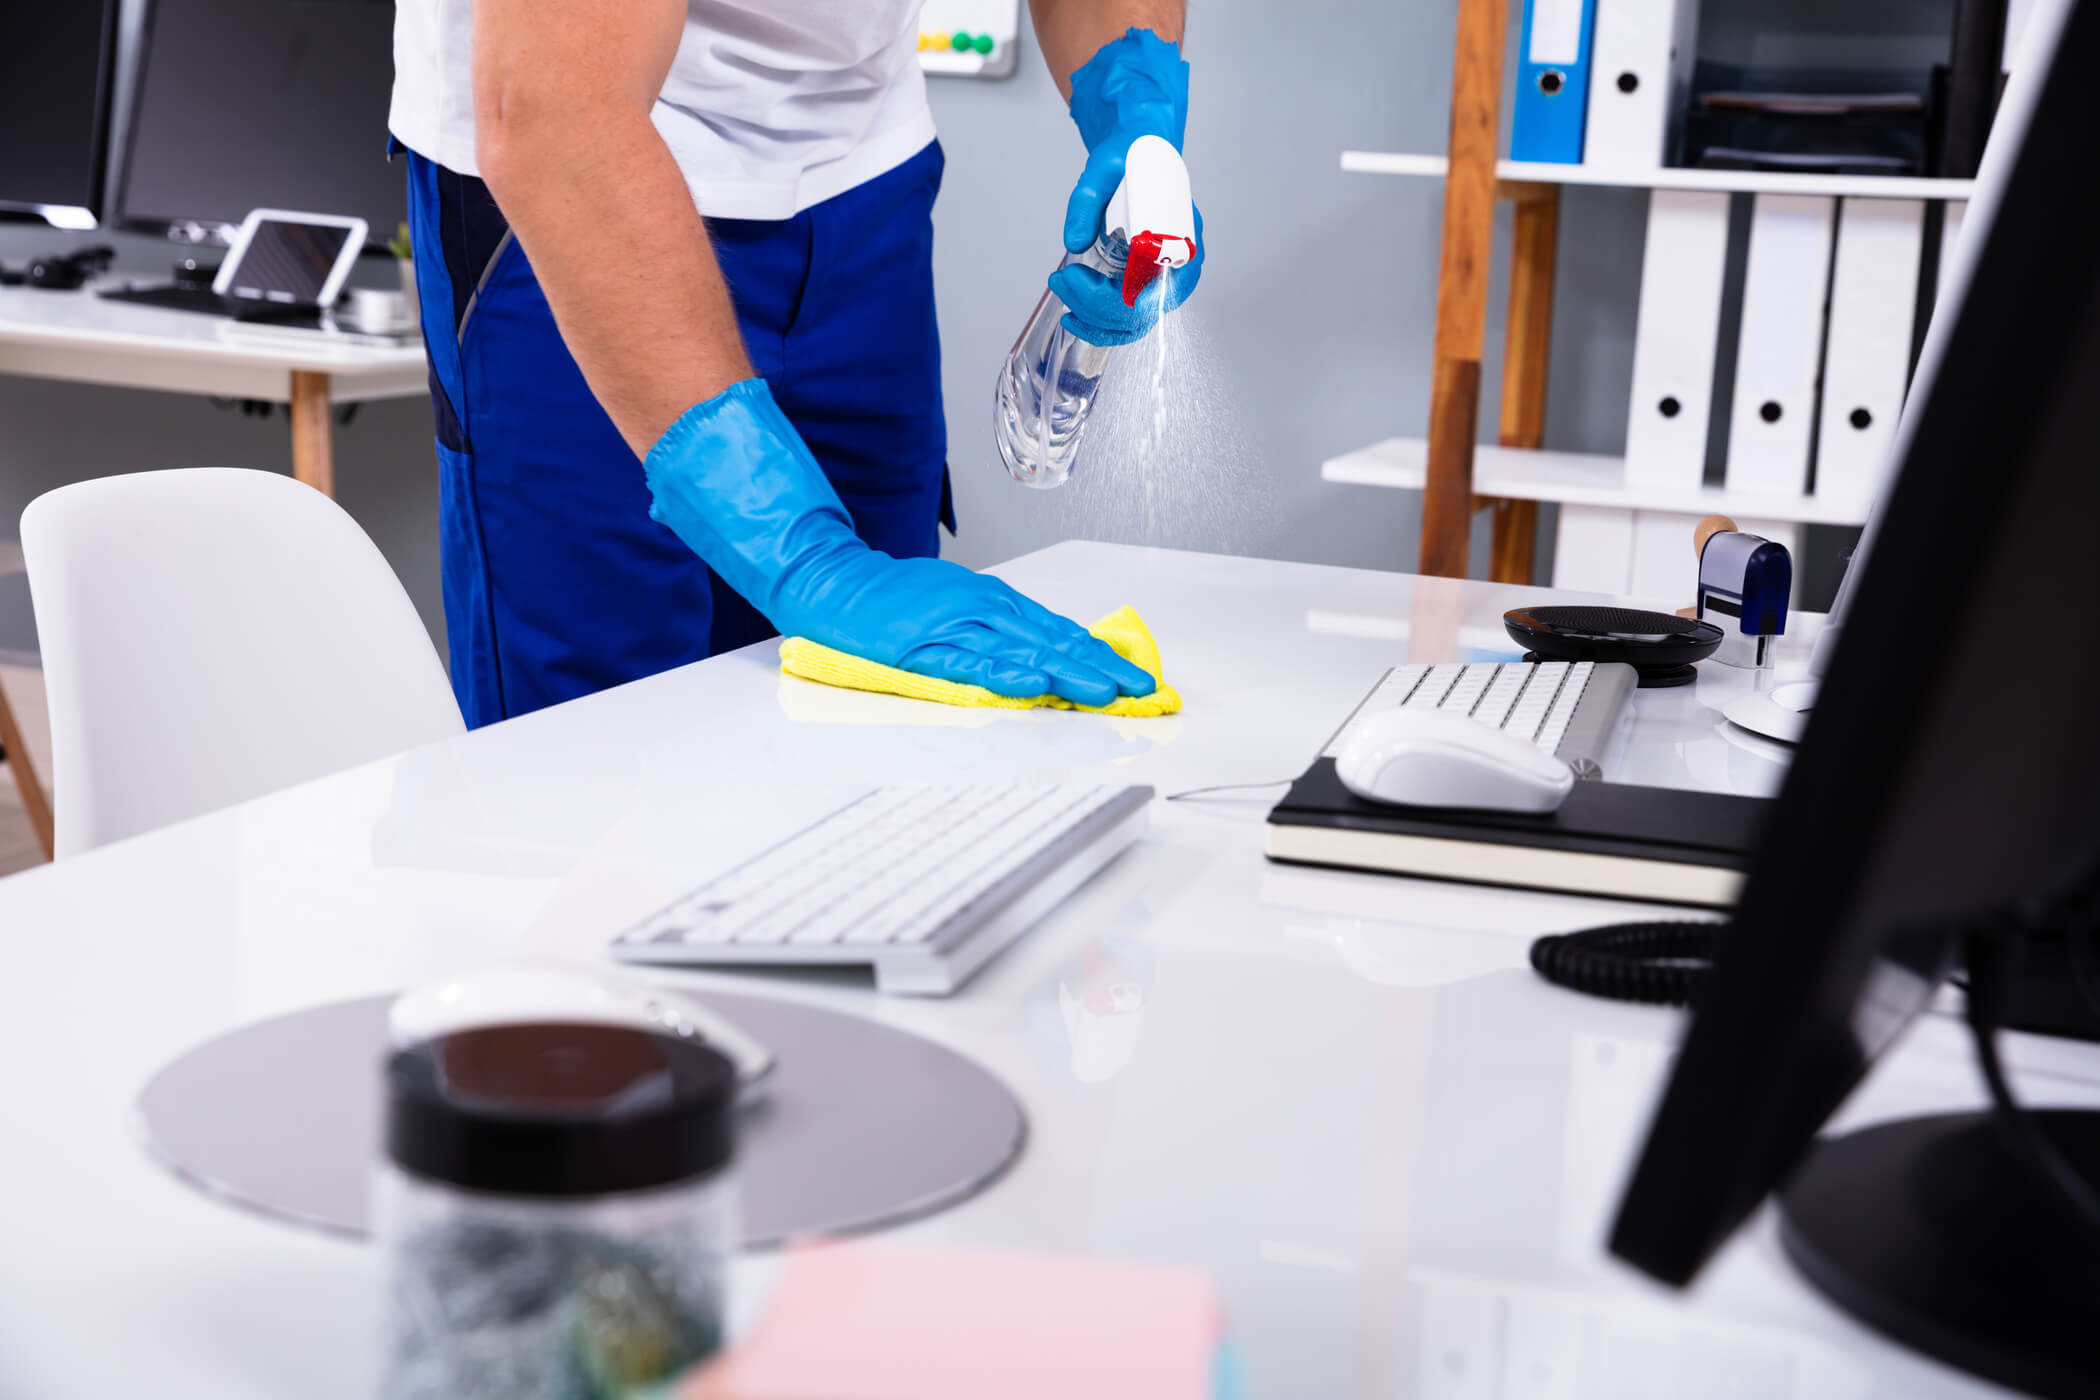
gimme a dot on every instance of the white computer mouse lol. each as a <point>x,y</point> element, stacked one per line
<point>550,992</point>
<point>1433,758</point>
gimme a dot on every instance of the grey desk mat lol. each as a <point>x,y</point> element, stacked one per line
<point>861,1125</point>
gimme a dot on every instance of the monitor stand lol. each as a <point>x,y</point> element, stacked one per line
<point>1937,1233</point>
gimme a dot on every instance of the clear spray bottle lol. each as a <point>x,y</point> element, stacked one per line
<point>1051,377</point>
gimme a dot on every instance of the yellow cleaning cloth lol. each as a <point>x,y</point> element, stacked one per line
<point>1122,629</point>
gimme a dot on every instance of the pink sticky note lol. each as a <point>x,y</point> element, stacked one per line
<point>854,1323</point>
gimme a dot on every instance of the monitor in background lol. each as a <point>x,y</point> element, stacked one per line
<point>56,62</point>
<point>251,104</point>
<point>1937,803</point>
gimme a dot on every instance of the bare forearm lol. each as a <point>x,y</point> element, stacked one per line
<point>562,95</point>
<point>623,257</point>
<point>1073,31</point>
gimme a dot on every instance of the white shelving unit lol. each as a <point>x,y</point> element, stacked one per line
<point>1726,181</point>
<point>1614,536</point>
<point>1579,478</point>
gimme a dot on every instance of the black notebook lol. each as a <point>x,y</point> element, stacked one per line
<point>1615,839</point>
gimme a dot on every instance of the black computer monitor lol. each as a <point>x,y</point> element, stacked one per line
<point>260,104</point>
<point>56,62</point>
<point>1947,788</point>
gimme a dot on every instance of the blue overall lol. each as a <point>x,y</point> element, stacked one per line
<point>557,583</point>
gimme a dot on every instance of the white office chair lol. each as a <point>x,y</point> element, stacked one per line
<point>210,635</point>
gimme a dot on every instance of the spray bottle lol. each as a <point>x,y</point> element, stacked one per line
<point>1051,377</point>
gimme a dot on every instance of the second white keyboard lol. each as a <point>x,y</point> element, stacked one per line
<point>1567,708</point>
<point>924,883</point>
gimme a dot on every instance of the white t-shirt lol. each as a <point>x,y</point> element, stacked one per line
<point>771,105</point>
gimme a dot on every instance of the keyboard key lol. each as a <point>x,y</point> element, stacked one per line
<point>1402,680</point>
<point>1502,693</point>
<point>1472,685</point>
<point>1429,695</point>
<point>1562,712</point>
<point>827,926</point>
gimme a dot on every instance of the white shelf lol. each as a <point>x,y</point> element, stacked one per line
<point>1732,181</point>
<point>1579,478</point>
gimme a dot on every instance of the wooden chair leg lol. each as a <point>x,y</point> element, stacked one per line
<point>34,802</point>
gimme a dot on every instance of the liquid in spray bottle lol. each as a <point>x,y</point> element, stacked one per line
<point>1051,377</point>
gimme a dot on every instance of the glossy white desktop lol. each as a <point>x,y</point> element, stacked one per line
<point>1344,1096</point>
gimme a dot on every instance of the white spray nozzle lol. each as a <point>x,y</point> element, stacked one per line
<point>1152,213</point>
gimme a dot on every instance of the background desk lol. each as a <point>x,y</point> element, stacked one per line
<point>83,337</point>
<point>1342,1095</point>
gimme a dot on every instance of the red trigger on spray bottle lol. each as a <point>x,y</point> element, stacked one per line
<point>1152,214</point>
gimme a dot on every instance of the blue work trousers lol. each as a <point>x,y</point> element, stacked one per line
<point>557,583</point>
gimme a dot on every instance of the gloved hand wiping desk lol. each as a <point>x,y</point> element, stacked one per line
<point>1122,630</point>
<point>734,481</point>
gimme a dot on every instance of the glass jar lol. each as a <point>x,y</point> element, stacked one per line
<point>558,1208</point>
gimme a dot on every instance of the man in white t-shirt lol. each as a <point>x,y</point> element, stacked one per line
<point>698,233</point>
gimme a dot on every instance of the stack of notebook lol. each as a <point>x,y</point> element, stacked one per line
<point>1612,839</point>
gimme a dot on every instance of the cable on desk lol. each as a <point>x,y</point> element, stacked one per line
<point>1661,962</point>
<point>1193,793</point>
<point>2074,1194</point>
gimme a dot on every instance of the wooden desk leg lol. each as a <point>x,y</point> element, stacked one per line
<point>34,802</point>
<point>1534,243</point>
<point>313,435</point>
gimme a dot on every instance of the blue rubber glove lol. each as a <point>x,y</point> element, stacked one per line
<point>733,479</point>
<point>1135,86</point>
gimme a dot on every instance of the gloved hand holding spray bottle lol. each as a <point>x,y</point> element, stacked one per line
<point>1133,243</point>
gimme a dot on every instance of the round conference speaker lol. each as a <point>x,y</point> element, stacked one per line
<point>1661,647</point>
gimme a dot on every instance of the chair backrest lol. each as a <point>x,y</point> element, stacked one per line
<point>211,635</point>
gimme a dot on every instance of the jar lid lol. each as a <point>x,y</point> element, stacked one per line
<point>559,1110</point>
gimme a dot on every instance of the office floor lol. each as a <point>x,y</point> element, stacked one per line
<point>25,691</point>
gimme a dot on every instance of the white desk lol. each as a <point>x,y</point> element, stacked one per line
<point>1342,1095</point>
<point>82,337</point>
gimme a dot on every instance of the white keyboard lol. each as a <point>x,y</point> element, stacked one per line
<point>924,883</point>
<point>1567,708</point>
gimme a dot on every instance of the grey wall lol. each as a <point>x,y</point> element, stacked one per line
<point>1310,336</point>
